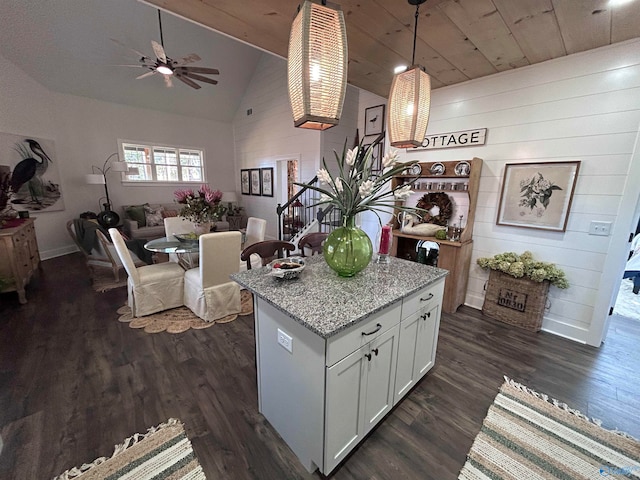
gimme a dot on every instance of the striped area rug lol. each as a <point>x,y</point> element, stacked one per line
<point>163,453</point>
<point>527,435</point>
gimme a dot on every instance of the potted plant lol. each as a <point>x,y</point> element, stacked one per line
<point>201,207</point>
<point>517,288</point>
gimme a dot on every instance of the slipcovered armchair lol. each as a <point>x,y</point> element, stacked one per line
<point>208,290</point>
<point>151,288</point>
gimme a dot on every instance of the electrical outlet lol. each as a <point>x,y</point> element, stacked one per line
<point>600,228</point>
<point>285,341</point>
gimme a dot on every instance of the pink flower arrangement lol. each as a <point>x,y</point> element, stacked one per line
<point>202,205</point>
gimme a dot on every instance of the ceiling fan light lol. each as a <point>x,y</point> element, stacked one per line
<point>317,66</point>
<point>164,70</point>
<point>409,104</point>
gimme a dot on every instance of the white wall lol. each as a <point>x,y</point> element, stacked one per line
<point>268,135</point>
<point>86,132</point>
<point>581,107</point>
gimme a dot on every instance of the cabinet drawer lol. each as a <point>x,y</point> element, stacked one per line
<point>428,296</point>
<point>349,340</point>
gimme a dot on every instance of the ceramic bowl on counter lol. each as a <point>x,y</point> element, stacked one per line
<point>286,268</point>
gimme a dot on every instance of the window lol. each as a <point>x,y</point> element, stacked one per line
<point>164,164</point>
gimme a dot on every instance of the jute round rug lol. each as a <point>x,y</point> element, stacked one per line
<point>181,319</point>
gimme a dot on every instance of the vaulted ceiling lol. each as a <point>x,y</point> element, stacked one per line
<point>458,40</point>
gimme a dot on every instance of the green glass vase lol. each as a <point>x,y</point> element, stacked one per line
<point>347,250</point>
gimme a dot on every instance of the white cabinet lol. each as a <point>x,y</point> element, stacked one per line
<point>325,394</point>
<point>418,338</point>
<point>359,393</point>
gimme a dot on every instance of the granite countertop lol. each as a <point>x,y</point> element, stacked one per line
<point>326,303</point>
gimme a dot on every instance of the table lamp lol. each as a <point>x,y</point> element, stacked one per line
<point>229,197</point>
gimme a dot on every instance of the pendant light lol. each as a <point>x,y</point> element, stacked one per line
<point>409,101</point>
<point>317,65</point>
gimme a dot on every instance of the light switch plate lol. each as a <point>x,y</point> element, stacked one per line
<point>600,228</point>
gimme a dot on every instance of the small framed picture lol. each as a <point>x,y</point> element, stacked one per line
<point>245,182</point>
<point>267,181</point>
<point>537,195</point>
<point>374,120</point>
<point>256,182</point>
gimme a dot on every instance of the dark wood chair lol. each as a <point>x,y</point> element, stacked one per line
<point>267,250</point>
<point>312,241</point>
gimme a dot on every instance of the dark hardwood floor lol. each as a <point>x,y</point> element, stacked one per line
<point>74,382</point>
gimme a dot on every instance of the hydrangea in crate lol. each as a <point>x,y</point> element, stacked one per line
<point>517,288</point>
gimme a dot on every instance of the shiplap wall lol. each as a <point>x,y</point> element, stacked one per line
<point>581,107</point>
<point>267,136</point>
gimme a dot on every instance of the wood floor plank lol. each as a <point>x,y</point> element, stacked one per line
<point>74,382</point>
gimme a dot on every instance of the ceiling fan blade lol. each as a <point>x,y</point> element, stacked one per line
<point>210,71</point>
<point>200,78</point>
<point>148,74</point>
<point>167,81</point>
<point>191,83</point>
<point>129,65</point>
<point>192,57</point>
<point>140,54</point>
<point>159,51</point>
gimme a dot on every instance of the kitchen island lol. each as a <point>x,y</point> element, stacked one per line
<point>334,355</point>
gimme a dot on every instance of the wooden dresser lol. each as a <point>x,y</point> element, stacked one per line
<point>19,257</point>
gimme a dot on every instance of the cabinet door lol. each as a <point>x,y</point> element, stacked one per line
<point>426,341</point>
<point>381,372</point>
<point>344,411</point>
<point>406,355</point>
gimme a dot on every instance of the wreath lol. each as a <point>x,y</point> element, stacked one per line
<point>440,200</point>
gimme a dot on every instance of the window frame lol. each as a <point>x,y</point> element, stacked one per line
<point>159,146</point>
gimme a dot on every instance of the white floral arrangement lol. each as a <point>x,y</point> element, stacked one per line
<point>357,187</point>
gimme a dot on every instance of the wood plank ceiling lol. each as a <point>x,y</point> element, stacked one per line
<point>458,40</point>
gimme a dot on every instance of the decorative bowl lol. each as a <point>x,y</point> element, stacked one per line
<point>286,268</point>
<point>188,238</point>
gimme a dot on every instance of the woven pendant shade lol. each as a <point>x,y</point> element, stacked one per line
<point>408,112</point>
<point>317,66</point>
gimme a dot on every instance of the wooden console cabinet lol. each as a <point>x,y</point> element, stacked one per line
<point>19,257</point>
<point>454,256</point>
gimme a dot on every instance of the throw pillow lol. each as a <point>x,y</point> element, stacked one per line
<point>170,213</point>
<point>136,212</point>
<point>154,216</point>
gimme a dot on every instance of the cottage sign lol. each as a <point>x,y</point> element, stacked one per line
<point>464,138</point>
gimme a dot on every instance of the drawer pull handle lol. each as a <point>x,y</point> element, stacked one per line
<point>375,350</point>
<point>368,355</point>
<point>427,299</point>
<point>378,327</point>
<point>428,315</point>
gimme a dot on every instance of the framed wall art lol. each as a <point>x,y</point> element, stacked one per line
<point>537,195</point>
<point>256,182</point>
<point>245,182</point>
<point>267,181</point>
<point>374,120</point>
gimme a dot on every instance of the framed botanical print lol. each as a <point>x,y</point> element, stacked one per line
<point>267,181</point>
<point>374,120</point>
<point>245,182</point>
<point>537,195</point>
<point>256,182</point>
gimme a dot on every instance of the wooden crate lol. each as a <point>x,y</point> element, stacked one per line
<point>516,301</point>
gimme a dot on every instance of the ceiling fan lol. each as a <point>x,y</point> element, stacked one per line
<point>168,67</point>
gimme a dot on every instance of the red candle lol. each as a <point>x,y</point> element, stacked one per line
<point>385,240</point>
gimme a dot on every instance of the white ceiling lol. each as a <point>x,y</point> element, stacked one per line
<point>65,45</point>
